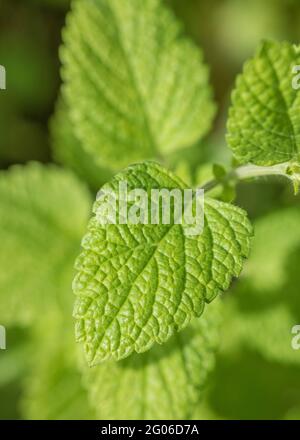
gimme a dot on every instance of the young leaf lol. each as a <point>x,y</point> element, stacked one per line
<point>44,211</point>
<point>165,383</point>
<point>68,150</point>
<point>264,122</point>
<point>137,284</point>
<point>136,88</point>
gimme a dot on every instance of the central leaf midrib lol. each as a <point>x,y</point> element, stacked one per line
<point>127,293</point>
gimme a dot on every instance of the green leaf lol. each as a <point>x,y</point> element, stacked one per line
<point>165,383</point>
<point>264,123</point>
<point>68,150</point>
<point>44,211</point>
<point>219,171</point>
<point>135,86</point>
<point>265,307</point>
<point>273,390</point>
<point>137,284</point>
<point>268,331</point>
<point>183,171</point>
<point>53,388</point>
<point>14,360</point>
<point>204,174</point>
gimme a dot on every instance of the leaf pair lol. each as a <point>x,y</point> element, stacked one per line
<point>135,88</point>
<point>137,285</point>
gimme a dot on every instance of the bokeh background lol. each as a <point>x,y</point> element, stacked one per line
<point>255,377</point>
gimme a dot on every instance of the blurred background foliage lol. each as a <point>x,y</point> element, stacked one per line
<point>257,375</point>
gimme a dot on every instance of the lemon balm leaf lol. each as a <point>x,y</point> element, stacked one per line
<point>264,123</point>
<point>135,86</point>
<point>139,284</point>
<point>142,386</point>
<point>68,151</point>
<point>44,211</point>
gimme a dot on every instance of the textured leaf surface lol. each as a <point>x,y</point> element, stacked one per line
<point>136,88</point>
<point>44,211</point>
<point>164,383</point>
<point>266,305</point>
<point>68,150</point>
<point>264,122</point>
<point>137,284</point>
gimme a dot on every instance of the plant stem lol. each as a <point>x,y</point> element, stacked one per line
<point>249,172</point>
